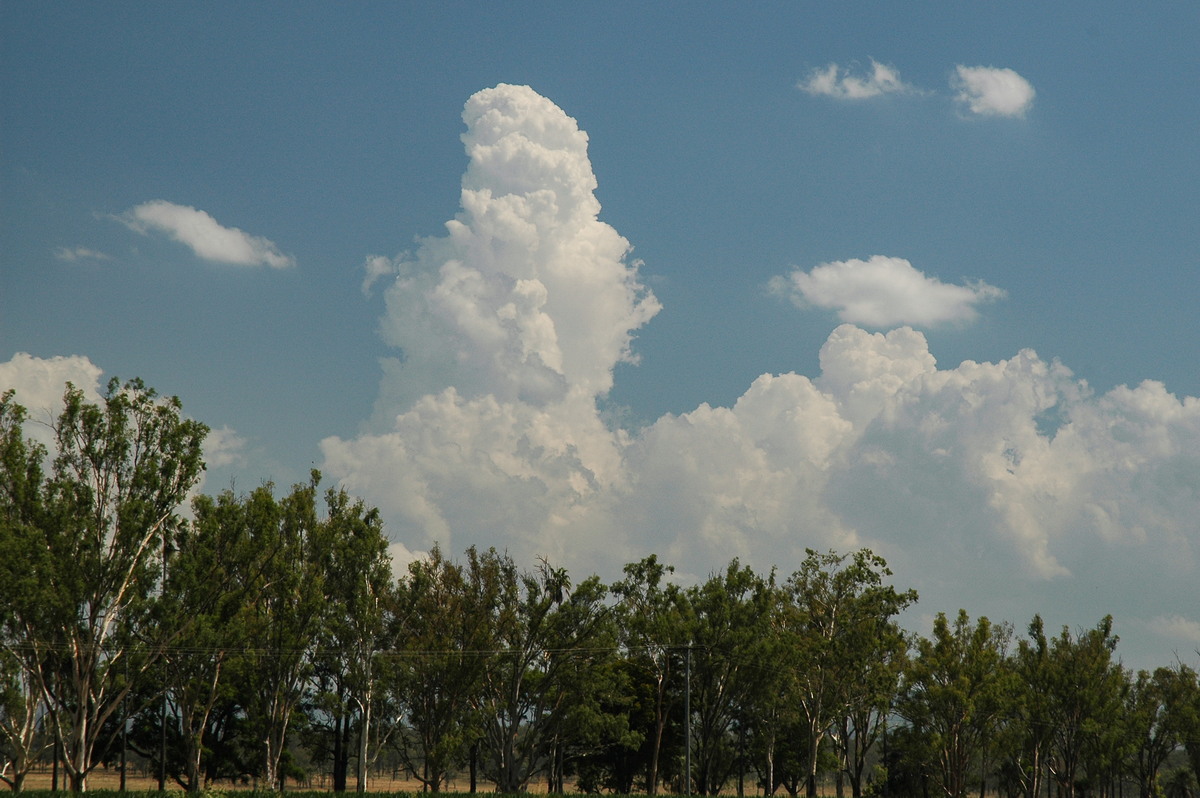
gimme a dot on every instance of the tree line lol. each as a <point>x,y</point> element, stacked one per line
<point>262,637</point>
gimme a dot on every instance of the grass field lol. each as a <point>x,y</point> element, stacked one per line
<point>106,784</point>
<point>110,780</point>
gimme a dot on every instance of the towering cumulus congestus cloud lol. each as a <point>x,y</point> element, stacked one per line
<point>529,297</point>
<point>510,327</point>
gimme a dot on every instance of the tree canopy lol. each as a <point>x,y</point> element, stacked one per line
<point>264,637</point>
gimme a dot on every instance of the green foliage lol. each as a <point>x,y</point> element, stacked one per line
<point>92,539</point>
<point>552,637</point>
<point>847,650</point>
<point>651,615</point>
<point>1085,692</point>
<point>1184,708</point>
<point>264,639</point>
<point>954,694</point>
<point>441,624</point>
<point>729,616</point>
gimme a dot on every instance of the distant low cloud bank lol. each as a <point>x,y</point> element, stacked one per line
<point>202,234</point>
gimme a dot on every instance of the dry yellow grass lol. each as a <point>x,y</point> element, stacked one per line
<point>105,779</point>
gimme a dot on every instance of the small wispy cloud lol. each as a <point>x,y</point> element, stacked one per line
<point>984,91</point>
<point>376,267</point>
<point>989,91</point>
<point>883,292</point>
<point>201,233</point>
<point>72,254</point>
<point>833,81</point>
<point>1178,627</point>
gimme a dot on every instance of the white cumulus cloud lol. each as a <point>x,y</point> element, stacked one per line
<point>1008,487</point>
<point>201,233</point>
<point>883,292</point>
<point>38,385</point>
<point>833,81</point>
<point>376,267</point>
<point>989,91</point>
<point>529,296</point>
<point>510,327</point>
<point>224,446</point>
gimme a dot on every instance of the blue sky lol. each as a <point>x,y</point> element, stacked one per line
<point>196,195</point>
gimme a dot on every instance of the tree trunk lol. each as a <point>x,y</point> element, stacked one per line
<point>363,738</point>
<point>194,752</point>
<point>339,753</point>
<point>474,763</point>
<point>78,754</point>
<point>660,723</point>
<point>769,787</point>
<point>814,749</point>
<point>270,765</point>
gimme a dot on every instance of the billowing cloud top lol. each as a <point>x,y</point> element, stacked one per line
<point>883,292</point>
<point>833,81</point>
<point>38,383</point>
<point>529,297</point>
<point>989,91</point>
<point>202,234</point>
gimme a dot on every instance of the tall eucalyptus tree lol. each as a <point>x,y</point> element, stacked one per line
<point>442,632</point>
<point>94,549</point>
<point>652,612</point>
<point>955,690</point>
<point>839,617</point>
<point>549,633</point>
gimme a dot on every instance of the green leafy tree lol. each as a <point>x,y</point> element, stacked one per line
<point>651,614</point>
<point>442,630</point>
<point>351,557</point>
<point>283,620</point>
<point>730,623</point>
<point>847,649</point>
<point>22,736</point>
<point>545,629</point>
<point>212,584</point>
<point>604,740</point>
<point>1184,708</point>
<point>772,718</point>
<point>595,725</point>
<point>1153,728</point>
<point>954,694</point>
<point>883,655</point>
<point>1084,691</point>
<point>1113,745</point>
<point>93,548</point>
<point>1023,741</point>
